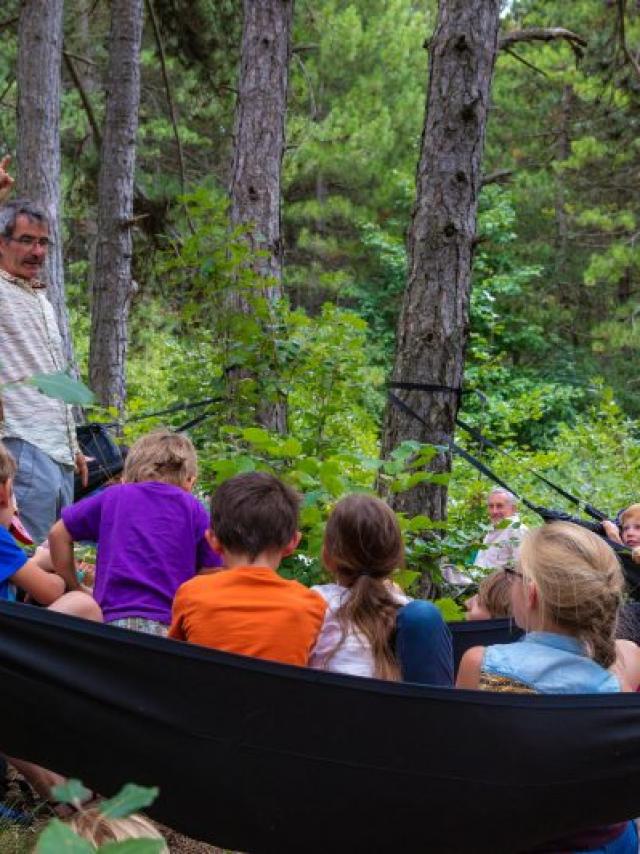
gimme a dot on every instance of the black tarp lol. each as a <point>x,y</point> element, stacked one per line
<point>263,757</point>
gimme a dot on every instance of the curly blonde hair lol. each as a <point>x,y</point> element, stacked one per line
<point>91,825</point>
<point>162,456</point>
<point>579,582</point>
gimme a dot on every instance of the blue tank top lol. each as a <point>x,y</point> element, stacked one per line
<point>550,664</point>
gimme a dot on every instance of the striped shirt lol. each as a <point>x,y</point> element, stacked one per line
<point>30,344</point>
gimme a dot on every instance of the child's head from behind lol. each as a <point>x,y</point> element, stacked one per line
<point>493,599</point>
<point>255,513</point>
<point>162,456</point>
<point>630,526</point>
<point>362,537</point>
<point>572,578</point>
<point>96,829</point>
<point>362,547</point>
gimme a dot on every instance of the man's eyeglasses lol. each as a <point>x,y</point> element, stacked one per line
<point>27,240</point>
<point>512,573</point>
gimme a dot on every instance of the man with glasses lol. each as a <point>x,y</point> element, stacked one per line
<point>503,541</point>
<point>38,430</point>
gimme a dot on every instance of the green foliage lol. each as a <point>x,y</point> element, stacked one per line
<point>553,315</point>
<point>59,838</point>
<point>72,792</point>
<point>129,799</point>
<point>63,387</point>
<point>450,610</point>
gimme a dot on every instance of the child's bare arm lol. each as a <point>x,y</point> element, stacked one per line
<point>43,586</point>
<point>469,670</point>
<point>61,547</point>
<point>43,557</point>
<point>6,181</point>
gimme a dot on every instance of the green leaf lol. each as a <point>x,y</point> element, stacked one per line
<point>71,792</point>
<point>256,435</point>
<point>291,447</point>
<point>129,799</point>
<point>405,577</point>
<point>58,838</point>
<point>63,387</point>
<point>134,846</point>
<point>450,610</point>
<point>419,523</point>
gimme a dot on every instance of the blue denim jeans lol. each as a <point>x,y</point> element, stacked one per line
<point>42,487</point>
<point>626,843</point>
<point>423,645</point>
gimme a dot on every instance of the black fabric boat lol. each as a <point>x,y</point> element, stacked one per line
<point>263,757</point>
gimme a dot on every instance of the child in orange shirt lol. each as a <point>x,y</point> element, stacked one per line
<point>248,608</point>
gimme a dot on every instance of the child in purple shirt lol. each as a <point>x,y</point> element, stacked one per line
<point>150,532</point>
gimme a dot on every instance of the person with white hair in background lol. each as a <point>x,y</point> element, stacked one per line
<point>502,543</point>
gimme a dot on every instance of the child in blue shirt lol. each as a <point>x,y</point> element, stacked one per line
<point>19,571</point>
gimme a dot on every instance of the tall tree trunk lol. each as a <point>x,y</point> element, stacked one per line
<point>433,325</point>
<point>112,283</point>
<point>38,129</point>
<point>259,145</point>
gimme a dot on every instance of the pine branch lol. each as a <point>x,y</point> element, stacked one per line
<point>84,97</point>
<point>170,101</point>
<point>544,34</point>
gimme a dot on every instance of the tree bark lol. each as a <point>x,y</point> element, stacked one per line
<point>112,285</point>
<point>433,325</point>
<point>38,127</point>
<point>259,141</point>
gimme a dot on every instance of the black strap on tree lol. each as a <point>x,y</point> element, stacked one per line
<point>456,449</point>
<point>177,407</point>
<point>426,387</point>
<point>623,552</point>
<point>583,505</point>
<point>483,441</point>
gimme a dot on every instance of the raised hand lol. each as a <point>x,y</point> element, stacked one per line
<point>6,181</point>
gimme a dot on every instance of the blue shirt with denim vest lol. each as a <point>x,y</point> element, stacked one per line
<point>550,664</point>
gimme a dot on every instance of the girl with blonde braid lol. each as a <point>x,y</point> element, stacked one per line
<point>566,591</point>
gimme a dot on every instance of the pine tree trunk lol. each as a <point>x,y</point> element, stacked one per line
<point>38,129</point>
<point>433,325</point>
<point>259,145</point>
<point>112,283</point>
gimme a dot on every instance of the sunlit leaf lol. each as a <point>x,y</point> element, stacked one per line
<point>129,799</point>
<point>63,387</point>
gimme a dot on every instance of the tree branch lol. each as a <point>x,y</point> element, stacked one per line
<point>500,176</point>
<point>525,61</point>
<point>544,34</point>
<point>10,81</point>
<point>4,25</point>
<point>153,211</point>
<point>84,97</point>
<point>170,102</point>
<point>167,87</point>
<point>82,59</point>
